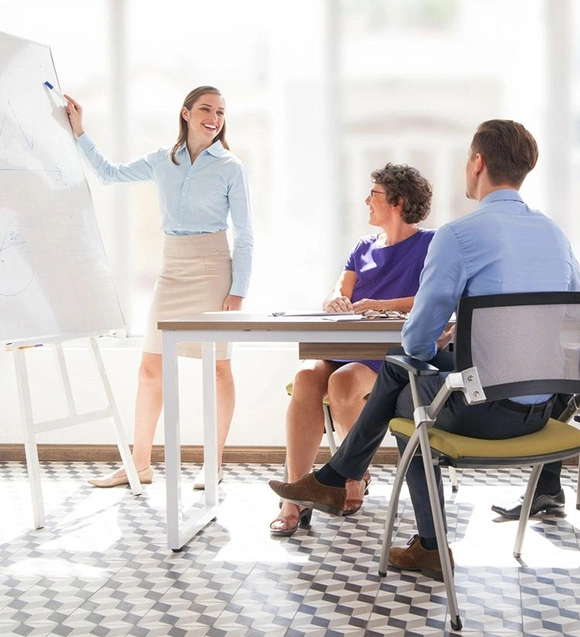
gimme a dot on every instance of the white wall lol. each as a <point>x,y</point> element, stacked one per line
<point>261,373</point>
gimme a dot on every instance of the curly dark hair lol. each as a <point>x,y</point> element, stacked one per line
<point>405,183</point>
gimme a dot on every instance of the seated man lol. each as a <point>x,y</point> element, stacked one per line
<point>502,247</point>
<point>381,273</point>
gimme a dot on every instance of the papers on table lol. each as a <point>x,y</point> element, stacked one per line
<point>369,315</point>
<point>343,317</point>
<point>313,313</point>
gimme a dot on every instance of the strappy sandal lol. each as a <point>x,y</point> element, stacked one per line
<point>352,506</point>
<point>301,520</point>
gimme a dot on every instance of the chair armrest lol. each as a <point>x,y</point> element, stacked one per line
<point>413,365</point>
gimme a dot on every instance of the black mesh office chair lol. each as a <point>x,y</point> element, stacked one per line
<point>506,346</point>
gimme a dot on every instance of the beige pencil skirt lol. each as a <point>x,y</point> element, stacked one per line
<point>196,277</point>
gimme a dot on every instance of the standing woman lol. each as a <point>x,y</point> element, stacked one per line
<point>201,183</point>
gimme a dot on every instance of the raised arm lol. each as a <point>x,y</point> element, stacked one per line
<point>75,115</point>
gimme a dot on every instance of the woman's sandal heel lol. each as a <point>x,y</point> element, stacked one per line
<point>302,521</point>
<point>353,506</point>
<point>305,517</point>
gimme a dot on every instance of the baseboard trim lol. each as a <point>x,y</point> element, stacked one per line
<point>189,453</point>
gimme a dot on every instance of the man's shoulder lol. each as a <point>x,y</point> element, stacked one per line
<point>475,216</point>
<point>489,212</point>
<point>464,228</point>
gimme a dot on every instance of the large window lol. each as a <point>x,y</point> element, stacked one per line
<point>319,93</point>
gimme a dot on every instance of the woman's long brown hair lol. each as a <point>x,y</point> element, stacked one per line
<point>190,99</point>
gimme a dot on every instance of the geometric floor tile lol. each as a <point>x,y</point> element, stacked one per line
<point>101,567</point>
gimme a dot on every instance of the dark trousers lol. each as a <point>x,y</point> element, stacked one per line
<point>391,397</point>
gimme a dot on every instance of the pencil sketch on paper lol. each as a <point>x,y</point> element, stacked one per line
<point>54,276</point>
<point>16,273</point>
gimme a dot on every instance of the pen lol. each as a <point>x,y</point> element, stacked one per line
<point>55,91</point>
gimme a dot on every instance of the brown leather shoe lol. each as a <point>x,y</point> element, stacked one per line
<point>308,492</point>
<point>417,558</point>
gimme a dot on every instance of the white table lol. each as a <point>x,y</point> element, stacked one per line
<point>241,327</point>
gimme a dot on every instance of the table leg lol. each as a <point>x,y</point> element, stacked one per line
<point>180,529</point>
<point>172,440</point>
<point>209,423</point>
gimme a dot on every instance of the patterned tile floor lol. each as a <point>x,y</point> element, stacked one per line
<point>101,567</point>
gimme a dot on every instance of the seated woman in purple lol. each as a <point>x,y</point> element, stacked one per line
<point>381,273</point>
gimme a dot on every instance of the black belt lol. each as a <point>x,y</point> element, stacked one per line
<point>525,409</point>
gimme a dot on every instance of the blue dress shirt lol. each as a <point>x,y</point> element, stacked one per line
<point>194,198</point>
<point>502,247</point>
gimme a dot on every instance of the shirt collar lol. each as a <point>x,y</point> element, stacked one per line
<point>216,149</point>
<point>502,194</point>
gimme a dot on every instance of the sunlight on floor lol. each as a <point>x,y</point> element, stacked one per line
<point>101,564</point>
<point>55,568</point>
<point>489,539</point>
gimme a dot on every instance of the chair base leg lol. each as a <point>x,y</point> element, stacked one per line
<point>453,478</point>
<point>456,625</point>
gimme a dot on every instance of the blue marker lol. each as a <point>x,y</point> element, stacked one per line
<point>55,91</point>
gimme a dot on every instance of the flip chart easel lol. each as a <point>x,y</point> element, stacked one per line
<point>55,283</point>
<point>32,428</point>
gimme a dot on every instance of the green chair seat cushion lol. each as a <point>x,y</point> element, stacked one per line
<point>555,437</point>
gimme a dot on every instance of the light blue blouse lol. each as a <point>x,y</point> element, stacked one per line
<point>194,198</point>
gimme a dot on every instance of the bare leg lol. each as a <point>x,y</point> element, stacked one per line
<point>305,423</point>
<point>226,399</point>
<point>305,417</point>
<point>148,406</point>
<point>347,389</point>
<point>150,401</point>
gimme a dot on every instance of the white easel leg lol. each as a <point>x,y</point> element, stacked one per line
<point>122,443</point>
<point>30,448</point>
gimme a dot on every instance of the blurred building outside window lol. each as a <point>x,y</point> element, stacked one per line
<point>319,93</point>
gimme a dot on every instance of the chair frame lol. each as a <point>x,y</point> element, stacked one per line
<point>329,429</point>
<point>467,381</point>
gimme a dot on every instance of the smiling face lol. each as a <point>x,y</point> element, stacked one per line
<point>379,207</point>
<point>206,117</point>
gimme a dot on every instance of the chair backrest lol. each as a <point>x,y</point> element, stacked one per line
<point>522,344</point>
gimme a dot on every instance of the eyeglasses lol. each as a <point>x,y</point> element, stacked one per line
<point>372,193</point>
<point>372,315</point>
